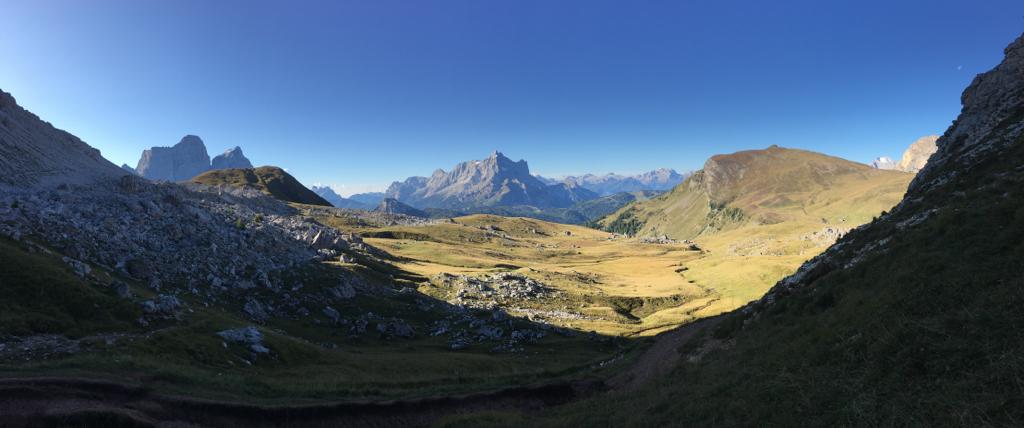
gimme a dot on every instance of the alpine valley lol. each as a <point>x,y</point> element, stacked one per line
<point>773,286</point>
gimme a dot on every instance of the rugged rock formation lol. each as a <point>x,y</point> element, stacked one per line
<point>181,162</point>
<point>917,154</point>
<point>337,200</point>
<point>34,153</point>
<point>231,158</point>
<point>393,206</point>
<point>270,180</point>
<point>495,181</point>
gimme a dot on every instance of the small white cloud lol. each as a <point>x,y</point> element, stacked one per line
<point>959,67</point>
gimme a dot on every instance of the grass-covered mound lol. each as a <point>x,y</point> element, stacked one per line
<point>270,180</point>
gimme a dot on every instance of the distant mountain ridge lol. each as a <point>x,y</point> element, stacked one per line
<point>337,200</point>
<point>494,181</point>
<point>185,160</point>
<point>608,184</point>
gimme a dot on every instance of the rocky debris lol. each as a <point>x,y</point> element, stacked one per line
<point>81,269</point>
<point>828,235</point>
<point>502,333</point>
<point>916,156</point>
<point>373,218</point>
<point>163,307</point>
<point>490,291</point>
<point>35,154</point>
<point>231,158</point>
<point>395,327</point>
<point>332,314</point>
<point>250,337</point>
<point>255,310</point>
<point>174,237</point>
<point>181,162</point>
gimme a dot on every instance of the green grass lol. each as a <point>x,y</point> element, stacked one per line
<point>39,294</point>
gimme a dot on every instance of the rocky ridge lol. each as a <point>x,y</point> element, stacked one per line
<point>34,153</point>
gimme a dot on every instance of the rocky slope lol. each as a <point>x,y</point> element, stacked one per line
<point>910,320</point>
<point>495,181</point>
<point>231,158</point>
<point>269,180</point>
<point>337,200</point>
<point>609,184</point>
<point>764,187</point>
<point>34,153</point>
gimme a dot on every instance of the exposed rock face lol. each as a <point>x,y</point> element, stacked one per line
<point>884,162</point>
<point>34,153</point>
<point>337,200</point>
<point>127,168</point>
<point>495,181</point>
<point>917,154</point>
<point>231,158</point>
<point>392,206</point>
<point>181,162</point>
<point>604,185</point>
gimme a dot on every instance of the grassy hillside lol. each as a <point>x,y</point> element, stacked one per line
<point>764,187</point>
<point>270,180</point>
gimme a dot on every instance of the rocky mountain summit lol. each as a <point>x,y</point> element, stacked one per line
<point>494,181</point>
<point>231,158</point>
<point>185,160</point>
<point>34,153</point>
<point>914,158</point>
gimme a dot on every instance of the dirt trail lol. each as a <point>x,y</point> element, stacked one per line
<point>659,359</point>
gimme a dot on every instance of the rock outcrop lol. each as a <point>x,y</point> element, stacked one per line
<point>231,158</point>
<point>495,181</point>
<point>34,153</point>
<point>916,156</point>
<point>181,162</point>
<point>393,206</point>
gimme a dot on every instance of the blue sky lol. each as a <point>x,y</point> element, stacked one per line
<point>360,93</point>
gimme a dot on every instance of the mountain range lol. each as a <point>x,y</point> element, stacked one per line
<point>658,180</point>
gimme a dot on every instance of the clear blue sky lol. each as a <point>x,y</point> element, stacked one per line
<point>360,93</point>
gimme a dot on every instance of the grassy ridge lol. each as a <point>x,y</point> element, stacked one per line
<point>270,180</point>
